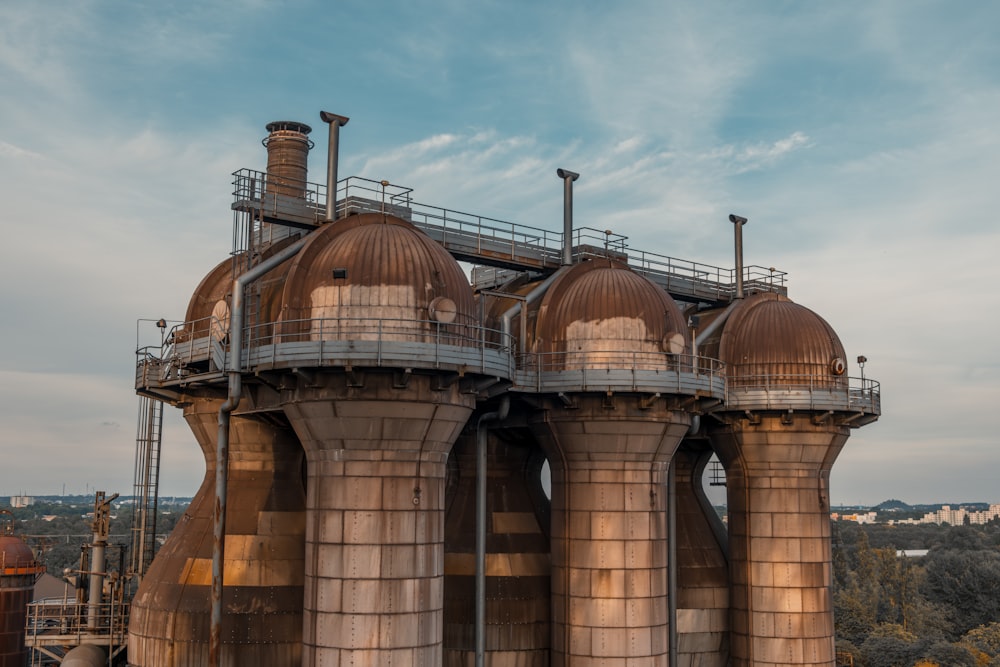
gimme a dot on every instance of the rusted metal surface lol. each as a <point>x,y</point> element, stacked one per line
<point>372,347</point>
<point>609,456</point>
<point>375,266</point>
<point>778,458</point>
<point>703,572</point>
<point>376,443</point>
<point>769,335</point>
<point>288,147</point>
<point>517,553</point>
<point>18,571</point>
<point>263,567</point>
<point>602,305</point>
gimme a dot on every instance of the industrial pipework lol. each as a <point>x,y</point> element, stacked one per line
<point>332,158</point>
<point>568,178</point>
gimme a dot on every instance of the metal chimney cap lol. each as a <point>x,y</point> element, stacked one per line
<point>328,117</point>
<point>293,125</point>
<point>566,173</point>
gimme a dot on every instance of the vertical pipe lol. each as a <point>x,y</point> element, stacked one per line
<point>222,447</point>
<point>738,223</point>
<point>481,443</point>
<point>332,151</point>
<point>568,178</point>
<point>97,570</point>
<point>672,562</point>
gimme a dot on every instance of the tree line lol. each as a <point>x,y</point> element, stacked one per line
<point>939,610</point>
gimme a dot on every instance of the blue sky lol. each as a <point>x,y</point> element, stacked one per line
<point>859,138</point>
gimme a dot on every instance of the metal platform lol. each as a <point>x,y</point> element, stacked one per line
<point>55,626</point>
<point>493,242</point>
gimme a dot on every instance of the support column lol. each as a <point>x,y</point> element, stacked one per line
<point>375,517</point>
<point>777,476</point>
<point>609,533</point>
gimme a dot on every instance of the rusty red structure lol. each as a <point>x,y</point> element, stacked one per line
<point>18,571</point>
<point>376,424</point>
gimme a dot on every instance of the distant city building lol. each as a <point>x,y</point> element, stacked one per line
<point>867,517</point>
<point>955,517</point>
<point>21,501</point>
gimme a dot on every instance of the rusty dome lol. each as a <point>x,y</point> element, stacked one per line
<point>15,554</point>
<point>603,306</point>
<point>211,299</point>
<point>771,338</point>
<point>373,268</point>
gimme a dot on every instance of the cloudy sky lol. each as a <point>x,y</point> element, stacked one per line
<point>861,139</point>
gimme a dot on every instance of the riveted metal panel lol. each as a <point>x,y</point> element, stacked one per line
<point>770,340</point>
<point>263,568</point>
<point>373,266</point>
<point>603,306</point>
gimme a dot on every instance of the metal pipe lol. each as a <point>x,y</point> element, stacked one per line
<point>98,567</point>
<point>332,154</point>
<point>526,300</point>
<point>672,561</point>
<point>568,178</point>
<point>715,324</point>
<point>481,444</point>
<point>738,223</point>
<point>222,447</point>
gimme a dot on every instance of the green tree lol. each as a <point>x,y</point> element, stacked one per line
<point>986,638</point>
<point>952,655</point>
<point>968,583</point>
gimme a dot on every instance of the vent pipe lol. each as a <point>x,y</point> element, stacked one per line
<point>568,178</point>
<point>287,147</point>
<point>738,223</point>
<point>332,154</point>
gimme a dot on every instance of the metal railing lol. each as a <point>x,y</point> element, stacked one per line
<point>497,242</point>
<point>617,370</point>
<point>201,348</point>
<point>704,280</point>
<point>61,622</point>
<point>803,392</point>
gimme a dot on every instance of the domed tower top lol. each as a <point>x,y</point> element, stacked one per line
<point>601,311</point>
<point>771,340</point>
<point>208,309</point>
<point>16,557</point>
<point>374,272</point>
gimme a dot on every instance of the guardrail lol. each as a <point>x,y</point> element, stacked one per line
<point>616,370</point>
<point>803,392</point>
<point>200,351</point>
<point>201,348</point>
<point>493,241</point>
<point>54,622</point>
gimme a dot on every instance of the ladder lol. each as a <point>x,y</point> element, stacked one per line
<point>149,435</point>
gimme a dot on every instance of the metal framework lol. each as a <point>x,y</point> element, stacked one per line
<point>478,239</point>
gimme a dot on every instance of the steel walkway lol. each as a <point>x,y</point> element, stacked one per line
<point>504,245</point>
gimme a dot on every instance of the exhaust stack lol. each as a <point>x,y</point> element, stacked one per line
<point>738,223</point>
<point>332,151</point>
<point>568,178</point>
<point>287,147</point>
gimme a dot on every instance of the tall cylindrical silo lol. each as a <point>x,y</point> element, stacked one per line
<point>702,568</point>
<point>785,421</point>
<point>609,442</point>
<point>518,630</point>
<point>376,433</point>
<point>264,555</point>
<point>18,571</point>
<point>263,567</point>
